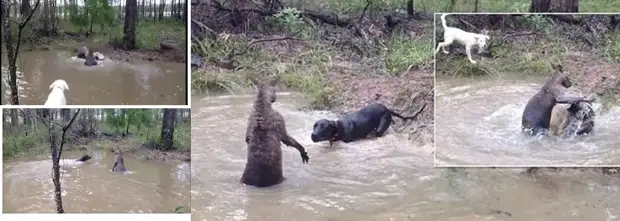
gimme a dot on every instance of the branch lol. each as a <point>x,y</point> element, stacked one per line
<point>264,40</point>
<point>368,3</point>
<point>518,34</point>
<point>64,130</point>
<point>35,115</point>
<point>23,25</point>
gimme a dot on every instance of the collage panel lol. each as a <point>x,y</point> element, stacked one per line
<point>533,89</point>
<point>299,116</point>
<point>83,160</point>
<point>94,52</point>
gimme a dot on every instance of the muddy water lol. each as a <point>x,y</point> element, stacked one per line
<point>478,122</point>
<point>377,179</point>
<point>148,187</point>
<point>110,83</point>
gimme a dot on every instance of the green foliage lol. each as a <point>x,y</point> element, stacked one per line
<point>403,53</point>
<point>19,143</point>
<point>179,209</point>
<point>94,12</point>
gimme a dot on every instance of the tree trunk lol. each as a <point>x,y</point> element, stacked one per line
<point>179,8</point>
<point>14,118</point>
<point>162,8</point>
<point>25,8</point>
<point>8,42</point>
<point>185,10</point>
<point>167,129</point>
<point>554,6</point>
<point>131,14</point>
<point>46,16</point>
<point>55,161</point>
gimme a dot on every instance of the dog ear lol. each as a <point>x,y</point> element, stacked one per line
<point>557,67</point>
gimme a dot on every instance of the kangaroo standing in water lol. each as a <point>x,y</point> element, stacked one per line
<point>119,165</point>
<point>266,129</point>
<point>90,59</point>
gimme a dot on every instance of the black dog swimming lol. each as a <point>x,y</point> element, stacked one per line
<point>84,158</point>
<point>357,125</point>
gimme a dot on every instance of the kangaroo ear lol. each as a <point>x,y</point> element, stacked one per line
<point>275,80</point>
<point>254,81</point>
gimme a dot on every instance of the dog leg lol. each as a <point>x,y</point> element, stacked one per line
<point>468,52</point>
<point>383,125</point>
<point>291,142</point>
<point>442,46</point>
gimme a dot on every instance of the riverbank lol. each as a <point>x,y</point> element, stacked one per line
<point>340,68</point>
<point>140,144</point>
<point>586,46</point>
<point>156,41</point>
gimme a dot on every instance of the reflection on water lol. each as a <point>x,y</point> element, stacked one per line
<point>479,122</point>
<point>376,179</point>
<point>111,82</point>
<point>91,187</point>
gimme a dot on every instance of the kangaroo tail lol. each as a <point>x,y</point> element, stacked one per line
<point>443,21</point>
<point>408,118</point>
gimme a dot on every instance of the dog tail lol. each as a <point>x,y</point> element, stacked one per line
<point>408,118</point>
<point>443,21</point>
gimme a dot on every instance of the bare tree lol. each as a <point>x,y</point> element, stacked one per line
<point>48,117</point>
<point>167,129</point>
<point>25,8</point>
<point>554,6</point>
<point>13,52</point>
<point>131,14</point>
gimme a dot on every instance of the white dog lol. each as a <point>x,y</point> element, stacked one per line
<point>57,96</point>
<point>451,34</point>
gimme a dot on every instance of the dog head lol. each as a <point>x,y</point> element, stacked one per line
<point>269,87</point>
<point>481,40</point>
<point>580,119</point>
<point>323,130</point>
<point>84,158</point>
<point>60,84</point>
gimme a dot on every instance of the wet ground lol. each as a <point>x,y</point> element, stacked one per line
<point>478,122</point>
<point>109,83</point>
<point>91,187</point>
<point>375,179</point>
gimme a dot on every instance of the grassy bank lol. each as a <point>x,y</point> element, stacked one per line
<point>149,35</point>
<point>36,141</point>
<point>311,63</point>
<point>589,53</point>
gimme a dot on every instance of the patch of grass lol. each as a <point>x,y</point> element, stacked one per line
<point>18,143</point>
<point>509,6</point>
<point>404,53</point>
<point>357,6</point>
<point>613,46</point>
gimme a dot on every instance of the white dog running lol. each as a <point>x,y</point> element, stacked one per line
<point>469,39</point>
<point>57,96</point>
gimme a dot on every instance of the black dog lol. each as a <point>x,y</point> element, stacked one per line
<point>357,125</point>
<point>84,158</point>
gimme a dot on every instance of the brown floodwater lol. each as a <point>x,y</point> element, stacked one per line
<point>478,122</point>
<point>110,83</point>
<point>91,187</point>
<point>375,179</point>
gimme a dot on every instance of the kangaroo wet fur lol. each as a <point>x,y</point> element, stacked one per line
<point>468,39</point>
<point>537,113</point>
<point>375,118</point>
<point>266,129</point>
<point>119,163</point>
